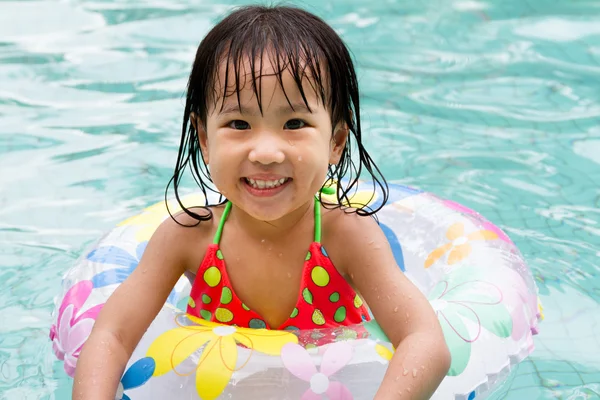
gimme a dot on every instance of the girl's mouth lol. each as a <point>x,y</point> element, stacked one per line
<point>265,188</point>
<point>260,184</point>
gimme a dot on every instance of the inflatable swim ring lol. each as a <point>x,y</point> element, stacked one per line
<point>472,273</point>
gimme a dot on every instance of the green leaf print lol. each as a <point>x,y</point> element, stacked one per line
<point>466,295</point>
<point>460,349</point>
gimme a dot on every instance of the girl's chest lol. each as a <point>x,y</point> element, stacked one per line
<point>267,278</point>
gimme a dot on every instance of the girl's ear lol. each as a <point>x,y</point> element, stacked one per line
<point>202,136</point>
<point>338,143</point>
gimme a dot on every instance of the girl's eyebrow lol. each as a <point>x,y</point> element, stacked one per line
<point>234,108</point>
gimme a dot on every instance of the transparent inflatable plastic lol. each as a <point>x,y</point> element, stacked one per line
<point>473,275</point>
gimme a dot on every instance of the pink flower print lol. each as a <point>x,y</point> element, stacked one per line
<point>71,331</point>
<point>486,224</point>
<point>298,361</point>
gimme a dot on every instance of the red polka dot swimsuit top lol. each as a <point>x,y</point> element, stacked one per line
<point>326,299</point>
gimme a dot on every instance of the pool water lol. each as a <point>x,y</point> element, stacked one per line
<point>492,104</point>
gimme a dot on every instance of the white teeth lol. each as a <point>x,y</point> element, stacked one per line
<point>265,184</point>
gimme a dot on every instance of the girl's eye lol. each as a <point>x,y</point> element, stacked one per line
<point>239,124</point>
<point>294,124</point>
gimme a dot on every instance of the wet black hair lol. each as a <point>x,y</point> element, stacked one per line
<point>294,40</point>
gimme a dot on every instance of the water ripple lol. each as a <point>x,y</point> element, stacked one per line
<point>492,104</point>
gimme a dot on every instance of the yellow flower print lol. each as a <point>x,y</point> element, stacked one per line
<point>359,199</point>
<point>459,246</point>
<point>152,216</point>
<point>384,352</point>
<point>219,356</point>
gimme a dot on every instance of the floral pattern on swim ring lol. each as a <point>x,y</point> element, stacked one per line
<point>462,297</point>
<point>516,297</point>
<point>377,335</point>
<point>219,355</point>
<point>383,352</point>
<point>486,224</point>
<point>459,245</point>
<point>118,256</point>
<point>135,376</point>
<point>298,361</point>
<point>72,330</point>
<point>153,216</point>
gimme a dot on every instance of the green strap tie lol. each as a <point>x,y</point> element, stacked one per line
<point>217,238</point>
<point>326,190</point>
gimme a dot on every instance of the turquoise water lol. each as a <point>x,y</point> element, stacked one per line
<point>493,104</point>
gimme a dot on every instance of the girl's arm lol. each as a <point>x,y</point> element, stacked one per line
<point>128,312</point>
<point>421,359</point>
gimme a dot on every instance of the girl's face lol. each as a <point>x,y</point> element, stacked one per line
<point>272,164</point>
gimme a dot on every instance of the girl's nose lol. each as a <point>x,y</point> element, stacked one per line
<point>266,149</point>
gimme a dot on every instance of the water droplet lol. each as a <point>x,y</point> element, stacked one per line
<point>289,274</point>
<point>396,309</point>
<point>405,372</point>
<point>408,390</point>
<point>280,254</point>
<point>415,372</point>
<point>299,158</point>
<point>262,240</point>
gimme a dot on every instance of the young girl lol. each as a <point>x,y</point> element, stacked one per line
<point>273,111</point>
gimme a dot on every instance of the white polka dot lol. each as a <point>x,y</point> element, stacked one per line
<point>224,330</point>
<point>319,383</point>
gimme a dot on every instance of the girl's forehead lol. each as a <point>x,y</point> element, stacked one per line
<point>267,76</point>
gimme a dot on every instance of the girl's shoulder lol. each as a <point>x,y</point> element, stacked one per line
<point>342,219</point>
<point>345,233</point>
<point>189,237</point>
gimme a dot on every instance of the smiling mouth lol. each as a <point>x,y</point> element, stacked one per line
<point>266,184</point>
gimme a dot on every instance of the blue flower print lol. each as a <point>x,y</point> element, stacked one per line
<point>118,256</point>
<point>138,374</point>
<point>394,244</point>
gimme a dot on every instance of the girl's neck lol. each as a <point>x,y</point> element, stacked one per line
<point>299,220</point>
